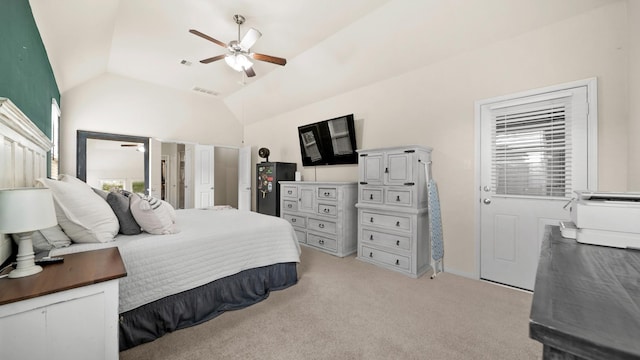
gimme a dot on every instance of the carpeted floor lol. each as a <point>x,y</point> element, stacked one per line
<point>348,309</point>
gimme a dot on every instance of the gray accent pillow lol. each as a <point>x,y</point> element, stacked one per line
<point>47,239</point>
<point>120,205</point>
<point>103,194</point>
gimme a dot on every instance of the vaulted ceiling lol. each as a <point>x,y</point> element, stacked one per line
<point>332,46</point>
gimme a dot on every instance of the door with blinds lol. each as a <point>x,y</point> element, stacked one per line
<point>533,153</point>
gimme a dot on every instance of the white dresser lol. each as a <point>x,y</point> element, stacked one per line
<point>67,311</point>
<point>393,224</point>
<point>323,214</point>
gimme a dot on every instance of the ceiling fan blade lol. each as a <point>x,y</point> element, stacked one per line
<point>250,38</point>
<point>205,36</point>
<point>250,72</point>
<point>268,58</point>
<point>212,59</point>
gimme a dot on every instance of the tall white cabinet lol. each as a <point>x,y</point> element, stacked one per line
<point>393,223</point>
<point>323,214</point>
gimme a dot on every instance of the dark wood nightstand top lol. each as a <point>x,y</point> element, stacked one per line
<point>586,300</point>
<point>77,270</point>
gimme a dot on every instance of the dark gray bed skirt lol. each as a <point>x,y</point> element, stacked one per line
<point>151,321</point>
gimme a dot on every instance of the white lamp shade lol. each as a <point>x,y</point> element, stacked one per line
<point>26,209</point>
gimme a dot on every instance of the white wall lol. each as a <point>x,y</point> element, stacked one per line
<point>434,106</point>
<point>114,104</point>
<point>633,7</point>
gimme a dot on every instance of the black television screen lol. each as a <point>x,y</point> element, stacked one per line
<point>328,142</point>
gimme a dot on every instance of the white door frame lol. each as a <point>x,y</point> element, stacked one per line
<point>592,134</point>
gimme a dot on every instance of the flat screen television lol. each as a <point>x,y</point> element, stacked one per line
<point>328,142</point>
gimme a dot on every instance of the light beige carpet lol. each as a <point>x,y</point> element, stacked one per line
<point>348,309</point>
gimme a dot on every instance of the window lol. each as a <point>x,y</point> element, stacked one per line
<point>108,184</point>
<point>533,145</point>
<point>532,154</point>
<point>55,138</point>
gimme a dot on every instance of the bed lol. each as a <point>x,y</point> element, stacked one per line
<point>217,260</point>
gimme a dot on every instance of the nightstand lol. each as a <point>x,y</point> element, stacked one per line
<point>68,311</point>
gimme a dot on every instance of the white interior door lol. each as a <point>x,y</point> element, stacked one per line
<point>534,154</point>
<point>189,201</point>
<point>204,176</point>
<point>244,178</point>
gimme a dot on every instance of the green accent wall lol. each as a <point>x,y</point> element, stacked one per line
<point>26,77</point>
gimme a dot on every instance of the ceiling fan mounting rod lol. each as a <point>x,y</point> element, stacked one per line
<point>239,19</point>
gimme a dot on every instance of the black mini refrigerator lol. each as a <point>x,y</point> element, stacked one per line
<point>268,188</point>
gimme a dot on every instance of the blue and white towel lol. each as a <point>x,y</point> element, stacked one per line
<point>435,226</point>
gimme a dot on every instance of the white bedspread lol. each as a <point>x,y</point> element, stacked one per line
<point>210,246</point>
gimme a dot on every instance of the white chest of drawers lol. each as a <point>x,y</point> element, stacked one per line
<point>323,214</point>
<point>393,223</point>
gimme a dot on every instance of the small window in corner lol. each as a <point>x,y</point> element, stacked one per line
<point>55,138</point>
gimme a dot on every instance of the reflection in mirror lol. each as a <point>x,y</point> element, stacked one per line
<point>178,175</point>
<point>115,164</point>
<point>106,160</point>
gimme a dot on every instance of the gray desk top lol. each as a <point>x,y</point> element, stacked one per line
<point>586,299</point>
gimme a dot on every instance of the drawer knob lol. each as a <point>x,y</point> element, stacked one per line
<point>321,226</point>
<point>293,220</point>
<point>289,206</point>
<point>327,193</point>
<point>321,242</point>
<point>398,223</point>
<point>371,220</point>
<point>397,242</point>
<point>370,254</point>
<point>289,192</point>
<point>371,237</point>
<point>326,210</point>
<point>370,196</point>
<point>397,262</point>
<point>398,198</point>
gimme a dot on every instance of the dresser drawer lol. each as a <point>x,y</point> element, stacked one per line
<point>327,193</point>
<point>384,239</point>
<point>290,191</point>
<point>291,205</point>
<point>298,221</point>
<point>322,242</point>
<point>384,257</point>
<point>398,222</point>
<point>327,209</point>
<point>328,227</point>
<point>301,235</point>
<point>371,195</point>
<point>399,197</point>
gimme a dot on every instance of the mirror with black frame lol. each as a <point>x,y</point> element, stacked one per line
<point>106,160</point>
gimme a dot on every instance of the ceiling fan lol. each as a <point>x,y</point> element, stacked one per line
<point>239,56</point>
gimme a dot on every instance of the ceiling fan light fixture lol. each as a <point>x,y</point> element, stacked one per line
<point>238,62</point>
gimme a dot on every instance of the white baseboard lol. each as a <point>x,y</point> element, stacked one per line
<point>5,247</point>
<point>460,273</point>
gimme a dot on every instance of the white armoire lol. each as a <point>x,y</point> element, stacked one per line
<point>393,226</point>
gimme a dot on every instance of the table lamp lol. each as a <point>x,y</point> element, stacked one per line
<point>23,211</point>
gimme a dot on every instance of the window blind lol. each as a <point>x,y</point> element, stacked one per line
<point>531,149</point>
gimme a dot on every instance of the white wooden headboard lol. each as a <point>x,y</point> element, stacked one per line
<point>23,155</point>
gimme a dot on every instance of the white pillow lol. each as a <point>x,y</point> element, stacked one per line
<point>83,215</point>
<point>154,216</point>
